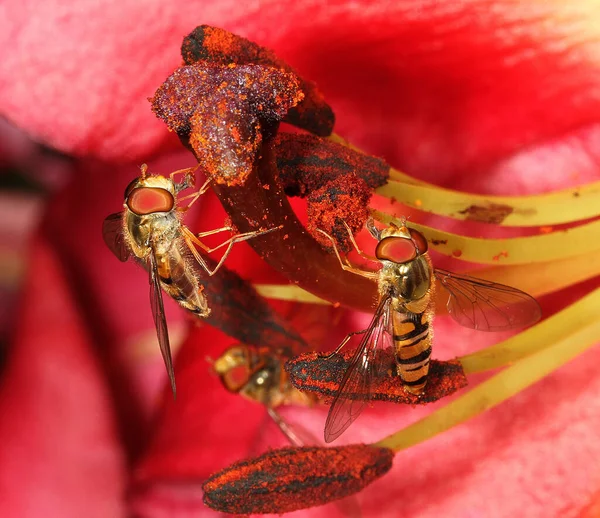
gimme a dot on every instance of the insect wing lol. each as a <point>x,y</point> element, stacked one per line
<point>486,305</point>
<point>355,389</point>
<point>158,313</point>
<point>112,232</point>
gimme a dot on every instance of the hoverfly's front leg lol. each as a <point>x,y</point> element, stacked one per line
<point>194,239</point>
<point>194,196</point>
<point>345,264</point>
<point>188,181</point>
<point>373,230</point>
<point>344,342</point>
<point>355,244</point>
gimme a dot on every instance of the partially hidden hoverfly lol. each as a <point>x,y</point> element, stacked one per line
<point>257,374</point>
<point>404,313</point>
<point>150,229</point>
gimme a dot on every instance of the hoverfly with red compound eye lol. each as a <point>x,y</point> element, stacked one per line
<point>257,374</point>
<point>150,229</point>
<point>404,315</point>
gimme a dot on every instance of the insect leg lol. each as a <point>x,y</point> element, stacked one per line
<point>211,232</point>
<point>373,230</point>
<point>347,267</point>
<point>355,244</point>
<point>344,342</point>
<point>191,238</point>
<point>236,239</point>
<point>194,196</point>
<point>285,428</point>
<point>190,178</point>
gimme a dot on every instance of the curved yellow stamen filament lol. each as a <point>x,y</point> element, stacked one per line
<point>517,250</point>
<point>505,384</point>
<point>564,206</point>
<point>289,292</point>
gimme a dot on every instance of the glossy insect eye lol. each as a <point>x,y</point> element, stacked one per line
<point>236,378</point>
<point>148,200</point>
<point>396,249</point>
<point>419,241</point>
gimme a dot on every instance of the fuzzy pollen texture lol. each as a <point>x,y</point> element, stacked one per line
<point>288,479</point>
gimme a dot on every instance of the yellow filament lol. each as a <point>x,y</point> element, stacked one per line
<point>517,250</point>
<point>568,205</point>
<point>499,388</point>
<point>564,206</point>
<point>289,292</point>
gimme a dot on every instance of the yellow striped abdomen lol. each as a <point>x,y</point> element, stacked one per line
<point>412,341</point>
<point>178,280</point>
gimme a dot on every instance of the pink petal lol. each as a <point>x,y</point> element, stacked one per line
<point>60,453</point>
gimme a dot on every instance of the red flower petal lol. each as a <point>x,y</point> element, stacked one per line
<point>60,454</point>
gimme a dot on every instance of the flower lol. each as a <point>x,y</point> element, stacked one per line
<point>491,97</point>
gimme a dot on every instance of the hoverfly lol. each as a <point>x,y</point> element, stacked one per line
<point>404,314</point>
<point>257,374</point>
<point>150,229</point>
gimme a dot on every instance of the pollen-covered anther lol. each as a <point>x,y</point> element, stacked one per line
<point>340,202</point>
<point>223,110</point>
<point>285,480</point>
<point>306,163</point>
<point>218,46</point>
<point>321,374</point>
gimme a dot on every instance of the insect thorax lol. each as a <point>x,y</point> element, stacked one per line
<point>159,230</point>
<point>406,282</point>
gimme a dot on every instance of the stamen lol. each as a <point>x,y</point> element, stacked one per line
<point>285,480</point>
<point>576,203</point>
<point>322,374</point>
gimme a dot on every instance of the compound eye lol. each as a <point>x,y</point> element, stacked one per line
<point>419,240</point>
<point>148,200</point>
<point>396,249</point>
<point>236,378</point>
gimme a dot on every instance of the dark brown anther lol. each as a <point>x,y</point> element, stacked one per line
<point>340,202</point>
<point>315,372</point>
<point>238,310</point>
<point>218,46</point>
<point>225,111</point>
<point>285,480</point>
<point>306,163</point>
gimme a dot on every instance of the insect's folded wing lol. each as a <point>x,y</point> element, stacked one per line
<point>355,388</point>
<point>160,321</point>
<point>112,233</point>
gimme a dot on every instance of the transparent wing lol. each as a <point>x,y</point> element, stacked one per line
<point>355,388</point>
<point>485,305</point>
<point>158,312</point>
<point>112,232</point>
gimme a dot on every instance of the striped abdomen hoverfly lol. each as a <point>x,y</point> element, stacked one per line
<point>404,314</point>
<point>257,374</point>
<point>150,229</point>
